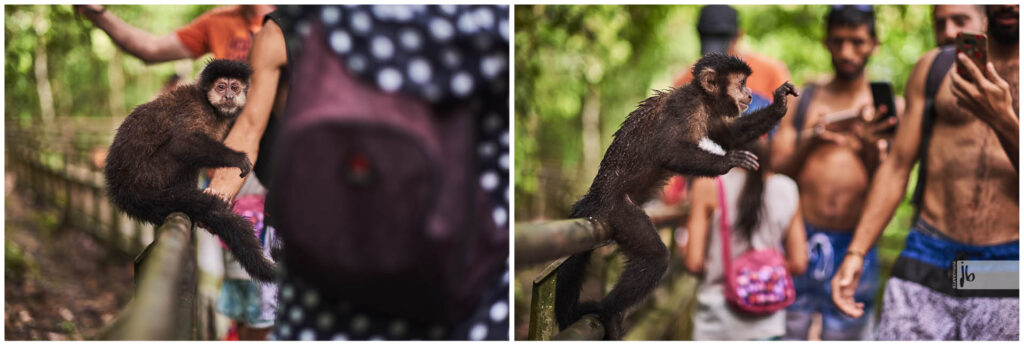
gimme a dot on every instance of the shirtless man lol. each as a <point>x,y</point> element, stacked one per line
<point>832,169</point>
<point>970,203</point>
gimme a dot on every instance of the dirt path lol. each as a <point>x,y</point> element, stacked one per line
<point>60,284</point>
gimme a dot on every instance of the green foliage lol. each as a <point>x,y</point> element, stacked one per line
<point>67,327</point>
<point>562,53</point>
<point>17,262</point>
<point>79,58</point>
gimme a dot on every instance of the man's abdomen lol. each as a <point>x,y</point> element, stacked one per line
<point>832,183</point>
<point>972,188</point>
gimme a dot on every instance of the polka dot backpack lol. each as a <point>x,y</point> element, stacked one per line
<point>757,282</point>
<point>390,169</point>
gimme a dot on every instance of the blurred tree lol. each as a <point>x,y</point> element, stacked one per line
<point>572,59</point>
<point>49,48</point>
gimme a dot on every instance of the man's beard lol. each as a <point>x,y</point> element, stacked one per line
<point>844,75</point>
<point>1004,34</point>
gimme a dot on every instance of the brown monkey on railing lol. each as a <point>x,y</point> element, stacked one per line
<point>153,166</point>
<point>691,130</point>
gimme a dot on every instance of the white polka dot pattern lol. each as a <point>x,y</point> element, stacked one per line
<point>340,320</point>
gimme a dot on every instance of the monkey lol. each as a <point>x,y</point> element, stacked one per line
<point>154,160</point>
<point>695,129</point>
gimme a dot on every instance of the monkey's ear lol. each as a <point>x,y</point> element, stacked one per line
<point>707,81</point>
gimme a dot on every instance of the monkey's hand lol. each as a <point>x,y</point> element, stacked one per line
<point>783,90</point>
<point>743,159</point>
<point>245,166</point>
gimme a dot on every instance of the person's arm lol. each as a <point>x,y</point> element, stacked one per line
<point>268,57</point>
<point>990,99</point>
<point>886,190</point>
<point>703,199</point>
<point>137,42</point>
<point>796,244</point>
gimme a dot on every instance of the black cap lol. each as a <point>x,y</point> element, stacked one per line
<point>717,27</point>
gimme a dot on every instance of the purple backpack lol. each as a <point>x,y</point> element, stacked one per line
<point>758,282</point>
<point>375,194</point>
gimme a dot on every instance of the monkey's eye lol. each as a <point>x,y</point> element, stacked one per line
<point>234,87</point>
<point>221,86</point>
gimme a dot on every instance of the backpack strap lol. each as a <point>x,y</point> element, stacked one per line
<point>943,61</point>
<point>801,109</point>
<point>723,227</point>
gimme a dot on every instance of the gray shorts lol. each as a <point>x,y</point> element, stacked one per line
<point>911,311</point>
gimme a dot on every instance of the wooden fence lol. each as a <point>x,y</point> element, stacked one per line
<point>537,243</point>
<point>55,167</point>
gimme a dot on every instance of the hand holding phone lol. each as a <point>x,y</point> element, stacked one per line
<point>881,93</point>
<point>975,46</point>
<point>840,121</point>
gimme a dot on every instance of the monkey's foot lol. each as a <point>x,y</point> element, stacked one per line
<point>612,322</point>
<point>577,312</point>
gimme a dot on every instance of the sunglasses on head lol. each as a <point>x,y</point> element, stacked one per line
<point>862,8</point>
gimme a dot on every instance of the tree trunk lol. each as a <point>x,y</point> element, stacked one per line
<point>115,78</point>
<point>43,82</point>
<point>591,135</point>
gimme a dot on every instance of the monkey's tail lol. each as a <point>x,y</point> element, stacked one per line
<point>567,289</point>
<point>234,230</point>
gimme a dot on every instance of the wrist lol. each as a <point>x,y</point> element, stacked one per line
<point>855,253</point>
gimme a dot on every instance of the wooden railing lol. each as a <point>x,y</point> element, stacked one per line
<point>164,306</point>
<point>536,243</point>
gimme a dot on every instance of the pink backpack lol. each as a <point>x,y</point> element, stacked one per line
<point>758,282</point>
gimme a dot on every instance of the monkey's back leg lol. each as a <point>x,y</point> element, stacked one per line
<point>234,230</point>
<point>571,274</point>
<point>646,261</point>
<point>567,289</point>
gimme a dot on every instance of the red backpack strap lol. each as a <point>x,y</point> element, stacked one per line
<point>723,225</point>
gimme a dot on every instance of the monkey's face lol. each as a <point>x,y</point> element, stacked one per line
<point>738,92</point>
<point>227,95</point>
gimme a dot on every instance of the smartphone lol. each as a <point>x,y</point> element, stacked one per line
<point>975,46</point>
<point>881,93</point>
<point>840,121</point>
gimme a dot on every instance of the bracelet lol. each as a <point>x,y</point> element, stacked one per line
<point>850,252</point>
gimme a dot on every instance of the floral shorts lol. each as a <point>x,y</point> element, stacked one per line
<point>248,302</point>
